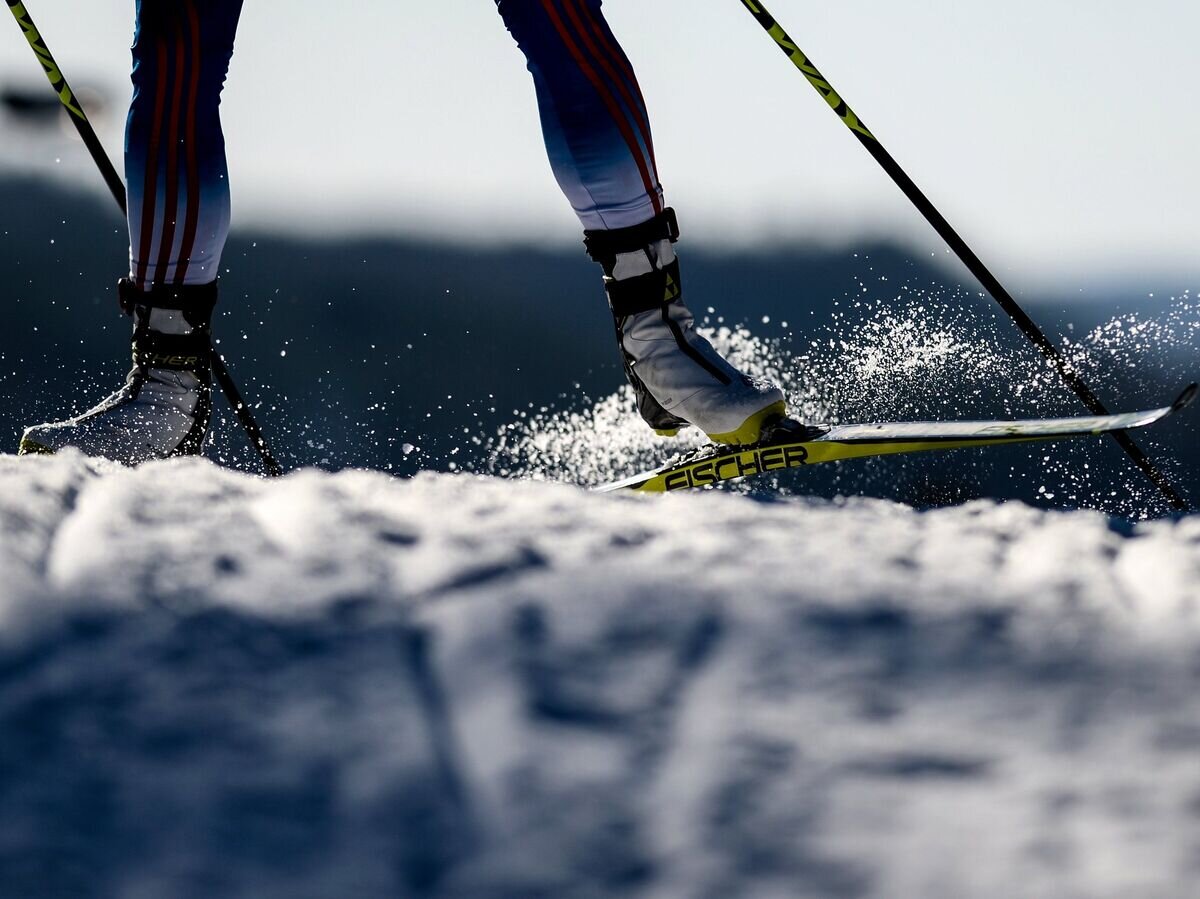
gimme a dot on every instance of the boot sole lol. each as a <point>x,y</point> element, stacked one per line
<point>33,448</point>
<point>751,429</point>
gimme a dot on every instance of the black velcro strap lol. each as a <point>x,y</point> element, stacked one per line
<point>176,352</point>
<point>195,301</point>
<point>603,246</point>
<point>652,290</point>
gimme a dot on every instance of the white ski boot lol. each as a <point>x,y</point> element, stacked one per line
<point>678,377</point>
<point>164,407</point>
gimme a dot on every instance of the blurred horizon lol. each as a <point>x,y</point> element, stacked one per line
<point>1059,172</point>
<point>404,355</point>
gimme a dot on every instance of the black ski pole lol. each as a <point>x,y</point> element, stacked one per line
<point>990,283</point>
<point>257,439</point>
<point>84,126</point>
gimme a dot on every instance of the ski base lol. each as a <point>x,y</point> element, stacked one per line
<point>794,445</point>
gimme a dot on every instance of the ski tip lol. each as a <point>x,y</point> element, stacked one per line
<point>1186,398</point>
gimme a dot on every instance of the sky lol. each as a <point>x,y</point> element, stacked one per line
<point>1058,137</point>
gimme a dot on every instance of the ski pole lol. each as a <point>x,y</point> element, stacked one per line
<point>84,126</point>
<point>989,281</point>
<point>70,102</point>
<point>249,424</point>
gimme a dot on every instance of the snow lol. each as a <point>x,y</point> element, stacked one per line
<point>922,355</point>
<point>348,684</point>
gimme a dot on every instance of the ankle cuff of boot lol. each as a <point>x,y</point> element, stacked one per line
<point>641,272</point>
<point>604,246</point>
<point>196,301</point>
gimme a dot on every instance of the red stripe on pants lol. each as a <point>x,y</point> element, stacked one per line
<point>638,110</point>
<point>171,199</point>
<point>609,100</point>
<point>150,185</point>
<point>193,175</point>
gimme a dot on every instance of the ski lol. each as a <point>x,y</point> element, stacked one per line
<point>793,445</point>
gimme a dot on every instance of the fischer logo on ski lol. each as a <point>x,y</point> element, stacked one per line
<point>743,465</point>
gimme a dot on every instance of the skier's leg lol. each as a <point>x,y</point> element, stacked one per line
<point>594,119</point>
<point>598,138</point>
<point>175,166</point>
<point>178,220</point>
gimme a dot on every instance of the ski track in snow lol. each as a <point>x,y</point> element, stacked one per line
<point>351,685</point>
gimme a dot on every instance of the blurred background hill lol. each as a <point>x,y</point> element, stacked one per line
<point>397,354</point>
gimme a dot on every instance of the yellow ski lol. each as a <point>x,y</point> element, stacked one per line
<point>792,445</point>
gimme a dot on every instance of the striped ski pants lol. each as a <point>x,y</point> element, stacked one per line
<point>594,122</point>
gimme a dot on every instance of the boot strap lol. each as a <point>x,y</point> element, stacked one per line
<point>652,290</point>
<point>603,246</point>
<point>174,352</point>
<point>195,301</point>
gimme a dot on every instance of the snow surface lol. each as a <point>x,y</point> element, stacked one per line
<point>352,685</point>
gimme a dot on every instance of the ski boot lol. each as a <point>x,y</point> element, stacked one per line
<point>677,376</point>
<point>164,407</point>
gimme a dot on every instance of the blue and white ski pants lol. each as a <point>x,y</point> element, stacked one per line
<point>594,122</point>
